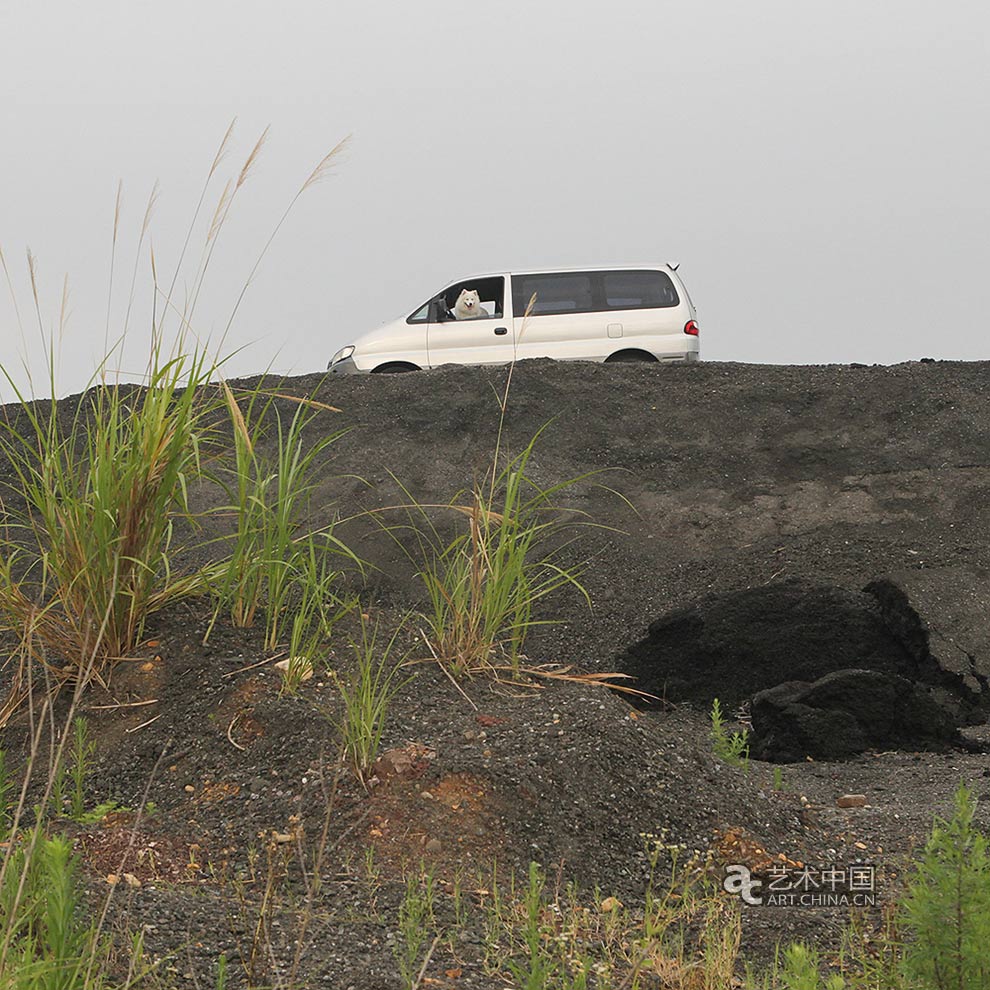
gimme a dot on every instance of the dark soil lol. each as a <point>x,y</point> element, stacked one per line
<point>730,478</point>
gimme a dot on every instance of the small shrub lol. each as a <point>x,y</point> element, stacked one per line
<point>801,970</point>
<point>730,747</point>
<point>537,964</point>
<point>45,943</point>
<point>946,907</point>
<point>83,749</point>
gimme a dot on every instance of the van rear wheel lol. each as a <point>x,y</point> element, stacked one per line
<point>630,357</point>
<point>393,369</point>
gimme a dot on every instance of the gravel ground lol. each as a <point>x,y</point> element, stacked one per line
<point>713,478</point>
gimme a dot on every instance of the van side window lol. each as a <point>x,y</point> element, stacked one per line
<point>421,315</point>
<point>638,290</point>
<point>560,293</point>
<point>491,295</point>
<point>564,292</point>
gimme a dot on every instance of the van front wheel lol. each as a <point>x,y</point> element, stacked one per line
<point>393,369</point>
<point>629,356</point>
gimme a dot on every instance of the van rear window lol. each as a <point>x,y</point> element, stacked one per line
<point>559,293</point>
<point>638,290</point>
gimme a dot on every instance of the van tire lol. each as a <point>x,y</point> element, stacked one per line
<point>394,368</point>
<point>630,356</point>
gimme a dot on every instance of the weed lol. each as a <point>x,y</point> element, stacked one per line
<point>483,584</point>
<point>318,609</point>
<point>730,747</point>
<point>45,943</point>
<point>946,908</point>
<point>778,778</point>
<point>494,923</point>
<point>798,967</point>
<point>537,965</point>
<point>88,559</point>
<point>416,923</point>
<point>83,750</point>
<point>272,564</point>
<point>6,790</point>
<point>366,696</point>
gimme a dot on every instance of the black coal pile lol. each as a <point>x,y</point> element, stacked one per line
<point>827,672</point>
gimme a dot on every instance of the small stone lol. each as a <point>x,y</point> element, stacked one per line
<point>610,904</point>
<point>300,667</point>
<point>131,880</point>
<point>426,795</point>
<point>434,846</point>
<point>189,789</point>
<point>851,801</point>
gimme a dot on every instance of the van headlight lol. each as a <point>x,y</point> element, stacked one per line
<point>341,355</point>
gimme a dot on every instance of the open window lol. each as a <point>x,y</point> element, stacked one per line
<point>491,294</point>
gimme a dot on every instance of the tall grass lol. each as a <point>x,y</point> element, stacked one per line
<point>88,518</point>
<point>274,562</point>
<point>91,490</point>
<point>483,584</point>
<point>94,485</point>
<point>366,695</point>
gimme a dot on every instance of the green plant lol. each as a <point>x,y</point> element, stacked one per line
<point>416,923</point>
<point>83,750</point>
<point>318,609</point>
<point>537,966</point>
<point>799,968</point>
<point>274,564</point>
<point>6,789</point>
<point>482,584</point>
<point>366,695</point>
<point>778,778</point>
<point>88,558</point>
<point>494,923</point>
<point>730,747</point>
<point>45,943</point>
<point>946,906</point>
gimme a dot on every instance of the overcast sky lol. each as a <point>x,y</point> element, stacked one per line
<point>820,170</point>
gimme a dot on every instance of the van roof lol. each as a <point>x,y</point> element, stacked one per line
<point>652,266</point>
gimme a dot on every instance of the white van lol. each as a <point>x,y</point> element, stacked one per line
<point>637,313</point>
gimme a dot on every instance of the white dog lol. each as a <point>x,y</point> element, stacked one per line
<point>468,305</point>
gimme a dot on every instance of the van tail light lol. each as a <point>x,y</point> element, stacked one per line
<point>691,327</point>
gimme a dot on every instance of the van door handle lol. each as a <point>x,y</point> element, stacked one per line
<point>501,331</point>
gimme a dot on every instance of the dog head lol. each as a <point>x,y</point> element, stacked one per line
<point>469,302</point>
